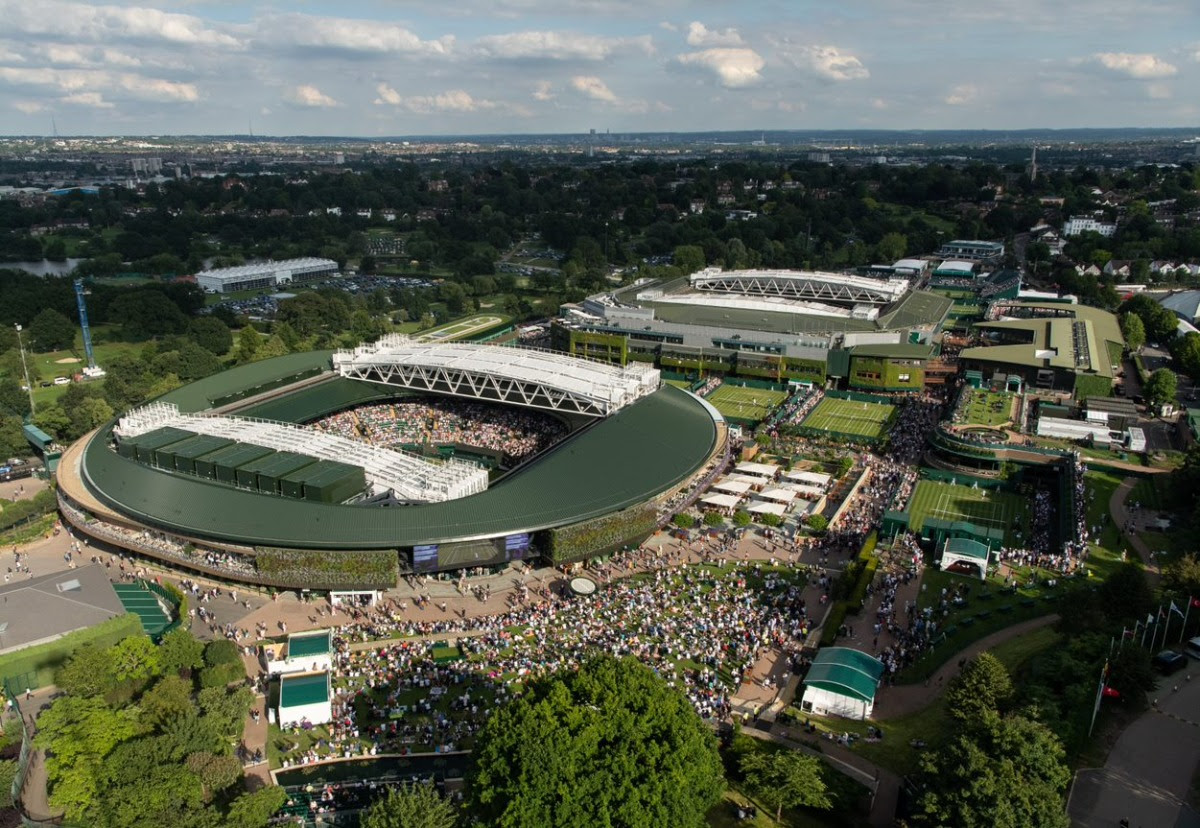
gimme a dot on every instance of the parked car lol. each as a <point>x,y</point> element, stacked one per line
<point>1169,661</point>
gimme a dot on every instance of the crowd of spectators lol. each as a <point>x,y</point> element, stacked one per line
<point>515,433</point>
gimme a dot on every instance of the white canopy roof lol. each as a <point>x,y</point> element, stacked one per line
<point>814,478</point>
<point>807,492</point>
<point>762,507</point>
<point>722,501</point>
<point>758,469</point>
<point>733,486</point>
<point>782,495</point>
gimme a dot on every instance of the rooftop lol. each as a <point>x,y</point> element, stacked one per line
<point>229,274</point>
<point>845,671</point>
<point>42,609</point>
<point>303,690</point>
<point>306,645</point>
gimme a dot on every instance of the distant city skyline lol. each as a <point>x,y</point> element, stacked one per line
<point>363,68</point>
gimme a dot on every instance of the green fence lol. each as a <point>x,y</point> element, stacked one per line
<point>858,396</point>
<point>743,382</point>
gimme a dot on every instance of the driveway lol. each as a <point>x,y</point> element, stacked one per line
<point>1149,770</point>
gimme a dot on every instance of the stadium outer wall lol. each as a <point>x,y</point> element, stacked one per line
<point>110,508</point>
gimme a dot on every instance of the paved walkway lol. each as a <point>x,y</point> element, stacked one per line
<point>1123,516</point>
<point>905,699</point>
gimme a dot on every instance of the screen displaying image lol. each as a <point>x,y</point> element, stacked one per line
<point>425,558</point>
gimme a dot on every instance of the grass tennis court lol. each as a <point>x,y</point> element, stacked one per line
<point>461,329</point>
<point>857,419</point>
<point>987,508</point>
<point>745,403</point>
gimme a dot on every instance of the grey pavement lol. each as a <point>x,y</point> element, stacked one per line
<point>1149,770</point>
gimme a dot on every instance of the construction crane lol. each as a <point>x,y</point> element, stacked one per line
<point>92,370</point>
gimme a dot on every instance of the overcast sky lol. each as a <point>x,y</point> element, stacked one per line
<point>413,67</point>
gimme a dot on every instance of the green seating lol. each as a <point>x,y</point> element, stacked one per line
<point>983,616</point>
<point>949,631</point>
<point>1006,609</point>
<point>966,622</point>
<point>985,596</point>
<point>1028,602</point>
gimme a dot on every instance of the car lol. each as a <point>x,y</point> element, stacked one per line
<point>1192,648</point>
<point>1169,661</point>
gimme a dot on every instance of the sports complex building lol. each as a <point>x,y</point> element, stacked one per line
<point>777,325</point>
<point>224,476</point>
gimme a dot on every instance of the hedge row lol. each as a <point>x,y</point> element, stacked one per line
<point>850,589</point>
<point>34,667</point>
<point>42,503</point>
<point>330,570</point>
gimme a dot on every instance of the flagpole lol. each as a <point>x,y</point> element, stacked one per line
<point>1145,630</point>
<point>1186,613</point>
<point>1167,628</point>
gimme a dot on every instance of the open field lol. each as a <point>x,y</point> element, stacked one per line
<point>745,403</point>
<point>859,419</point>
<point>984,507</point>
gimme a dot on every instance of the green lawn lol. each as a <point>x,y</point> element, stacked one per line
<point>988,408</point>
<point>1104,549</point>
<point>745,403</point>
<point>858,419</point>
<point>984,507</point>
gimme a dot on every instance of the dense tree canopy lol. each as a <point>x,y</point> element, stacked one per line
<point>607,745</point>
<point>1161,387</point>
<point>416,805</point>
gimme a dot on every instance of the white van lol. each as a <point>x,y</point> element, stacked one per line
<point>62,380</point>
<point>1192,648</point>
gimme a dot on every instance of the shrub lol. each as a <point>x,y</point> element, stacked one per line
<point>713,519</point>
<point>684,521</point>
<point>221,651</point>
<point>325,570</point>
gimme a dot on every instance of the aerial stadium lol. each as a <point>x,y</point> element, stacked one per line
<point>344,470</point>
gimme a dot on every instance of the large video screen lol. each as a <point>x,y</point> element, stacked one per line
<point>471,553</point>
<point>425,558</point>
<point>517,546</point>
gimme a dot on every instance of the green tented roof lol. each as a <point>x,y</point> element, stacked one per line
<point>298,691</point>
<point>159,438</point>
<point>621,460</point>
<point>238,455</point>
<point>845,671</point>
<point>893,350</point>
<point>305,645</point>
<point>967,548</point>
<point>196,396</point>
<point>200,445</point>
<point>279,464</point>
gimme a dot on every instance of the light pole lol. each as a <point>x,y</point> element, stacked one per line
<point>25,366</point>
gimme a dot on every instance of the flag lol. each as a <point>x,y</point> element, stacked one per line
<point>1176,609</point>
<point>1111,693</point>
<point>1149,618</point>
<point>1196,603</point>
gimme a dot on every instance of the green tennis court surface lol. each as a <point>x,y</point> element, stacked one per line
<point>745,403</point>
<point>987,508</point>
<point>858,419</point>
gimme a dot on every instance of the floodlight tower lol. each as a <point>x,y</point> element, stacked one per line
<point>92,370</point>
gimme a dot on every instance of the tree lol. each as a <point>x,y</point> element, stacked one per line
<point>1161,388</point>
<point>1134,331</point>
<point>1182,575</point>
<point>785,779</point>
<point>253,810</point>
<point>817,522</point>
<point>891,247</point>
<point>608,743</point>
<point>92,412</point>
<point>226,710</point>
<point>134,658</point>
<point>169,698</point>
<point>211,334</point>
<point>713,519</point>
<point>741,518</point>
<point>983,684</point>
<point>13,400</point>
<point>216,771</point>
<point>769,519</point>
<point>180,651</point>
<point>1007,772</point>
<point>1186,350</point>
<point>88,672</point>
<point>51,331</point>
<point>684,521</point>
<point>248,344</point>
<point>416,805</point>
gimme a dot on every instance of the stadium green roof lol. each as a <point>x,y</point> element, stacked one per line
<point>846,672</point>
<point>619,461</point>
<point>893,350</point>
<point>198,395</point>
<point>303,645</point>
<point>1053,336</point>
<point>917,309</point>
<point>298,691</point>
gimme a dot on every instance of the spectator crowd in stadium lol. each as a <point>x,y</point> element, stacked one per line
<point>516,433</point>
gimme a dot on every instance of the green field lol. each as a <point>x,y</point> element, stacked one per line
<point>745,403</point>
<point>857,419</point>
<point>684,384</point>
<point>988,408</point>
<point>463,328</point>
<point>987,508</point>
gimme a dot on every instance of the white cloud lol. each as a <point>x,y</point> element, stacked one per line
<point>76,55</point>
<point>92,99</point>
<point>733,67</point>
<point>104,24</point>
<point>346,35</point>
<point>29,107</point>
<point>594,88</point>
<point>88,80</point>
<point>832,64</point>
<point>1140,66</point>
<point>156,89</point>
<point>559,46</point>
<point>455,101</point>
<point>543,91</point>
<point>700,35</point>
<point>307,95</point>
<point>961,95</point>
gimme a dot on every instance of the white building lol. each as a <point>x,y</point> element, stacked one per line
<point>267,274</point>
<point>1087,224</point>
<point>306,697</point>
<point>309,652</point>
<point>842,682</point>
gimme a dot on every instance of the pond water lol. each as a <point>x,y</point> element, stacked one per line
<point>45,267</point>
<point>385,768</point>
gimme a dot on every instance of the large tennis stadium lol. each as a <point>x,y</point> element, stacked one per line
<point>267,473</point>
